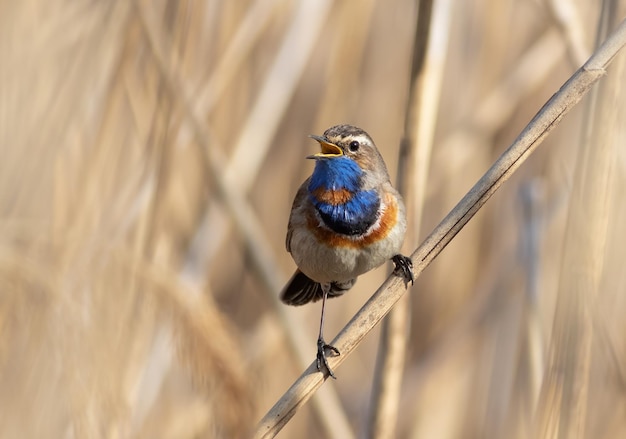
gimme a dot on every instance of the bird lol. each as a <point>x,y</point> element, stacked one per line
<point>346,219</point>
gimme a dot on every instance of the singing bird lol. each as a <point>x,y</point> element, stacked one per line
<point>346,220</point>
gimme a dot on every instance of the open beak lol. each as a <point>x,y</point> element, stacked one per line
<point>328,149</point>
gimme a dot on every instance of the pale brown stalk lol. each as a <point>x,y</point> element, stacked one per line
<point>393,288</point>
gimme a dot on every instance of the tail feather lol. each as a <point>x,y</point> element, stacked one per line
<point>301,289</point>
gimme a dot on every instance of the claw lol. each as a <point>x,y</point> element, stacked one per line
<point>404,267</point>
<point>321,356</point>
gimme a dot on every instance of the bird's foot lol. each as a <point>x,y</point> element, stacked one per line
<point>404,268</point>
<point>321,356</point>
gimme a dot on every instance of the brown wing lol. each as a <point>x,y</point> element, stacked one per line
<point>296,209</point>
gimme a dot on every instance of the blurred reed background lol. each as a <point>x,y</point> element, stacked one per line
<point>150,154</point>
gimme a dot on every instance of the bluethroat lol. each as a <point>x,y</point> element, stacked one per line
<point>346,220</point>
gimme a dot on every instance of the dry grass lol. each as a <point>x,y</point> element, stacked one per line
<point>134,305</point>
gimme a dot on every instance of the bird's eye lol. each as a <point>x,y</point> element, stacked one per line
<point>354,146</point>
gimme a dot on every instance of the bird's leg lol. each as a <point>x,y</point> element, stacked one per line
<point>321,344</point>
<point>404,267</point>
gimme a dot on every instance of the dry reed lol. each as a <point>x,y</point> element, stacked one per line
<point>150,153</point>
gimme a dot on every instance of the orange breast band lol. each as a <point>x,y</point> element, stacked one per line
<point>386,223</point>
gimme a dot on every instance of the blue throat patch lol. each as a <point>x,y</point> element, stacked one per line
<point>336,173</point>
<point>357,214</point>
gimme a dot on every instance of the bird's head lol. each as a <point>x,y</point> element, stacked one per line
<point>348,157</point>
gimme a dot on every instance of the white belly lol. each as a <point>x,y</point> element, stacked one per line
<point>323,263</point>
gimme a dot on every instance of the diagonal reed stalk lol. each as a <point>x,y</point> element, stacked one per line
<point>392,289</point>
